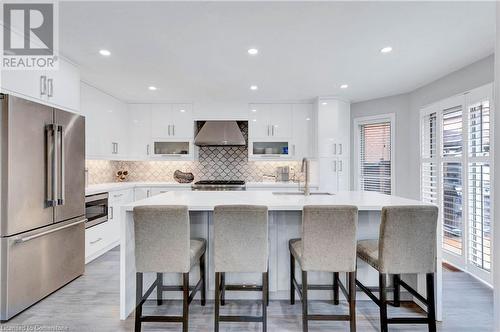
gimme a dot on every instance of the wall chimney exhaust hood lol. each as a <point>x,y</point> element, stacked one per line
<point>219,133</point>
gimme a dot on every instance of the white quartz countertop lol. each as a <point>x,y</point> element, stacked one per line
<point>115,186</point>
<point>206,200</point>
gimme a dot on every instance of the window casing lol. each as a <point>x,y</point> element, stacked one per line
<point>375,154</point>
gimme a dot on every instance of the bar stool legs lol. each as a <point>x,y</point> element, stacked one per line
<point>430,320</point>
<point>383,301</point>
<point>350,294</point>
<point>219,289</point>
<point>292,278</point>
<point>431,305</point>
<point>397,290</point>
<point>335,288</point>
<point>305,313</point>
<point>158,284</point>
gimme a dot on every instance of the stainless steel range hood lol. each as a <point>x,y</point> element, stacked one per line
<point>217,133</point>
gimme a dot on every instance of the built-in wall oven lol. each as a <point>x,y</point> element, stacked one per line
<point>96,209</point>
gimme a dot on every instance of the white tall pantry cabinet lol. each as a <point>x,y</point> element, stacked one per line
<point>333,123</point>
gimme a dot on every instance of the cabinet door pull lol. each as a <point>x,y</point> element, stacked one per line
<point>168,130</point>
<point>272,129</point>
<point>43,85</point>
<point>50,90</point>
<point>98,240</point>
<point>111,212</point>
<point>334,166</point>
<point>268,134</point>
<point>340,165</point>
<point>173,130</point>
<point>293,149</point>
<point>147,149</point>
<point>340,148</point>
<point>334,149</point>
<point>116,148</point>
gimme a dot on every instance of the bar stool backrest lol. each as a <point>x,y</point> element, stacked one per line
<point>162,241</point>
<point>329,235</point>
<point>240,238</point>
<point>407,242</point>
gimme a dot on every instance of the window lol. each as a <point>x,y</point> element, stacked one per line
<point>455,174</point>
<point>374,151</point>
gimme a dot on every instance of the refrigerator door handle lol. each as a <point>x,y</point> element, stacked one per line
<point>50,136</point>
<point>32,237</point>
<point>62,165</point>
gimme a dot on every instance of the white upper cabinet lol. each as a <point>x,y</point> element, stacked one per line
<point>334,123</point>
<point>140,130</point>
<point>172,121</point>
<point>270,121</point>
<point>303,131</point>
<point>59,88</point>
<point>107,124</point>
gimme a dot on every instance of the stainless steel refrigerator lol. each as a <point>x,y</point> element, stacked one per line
<point>42,201</point>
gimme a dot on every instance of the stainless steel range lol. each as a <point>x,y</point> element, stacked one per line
<point>218,185</point>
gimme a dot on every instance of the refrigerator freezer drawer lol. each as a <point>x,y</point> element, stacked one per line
<point>37,263</point>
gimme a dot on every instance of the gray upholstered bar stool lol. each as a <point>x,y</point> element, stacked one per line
<point>163,245</point>
<point>240,246</point>
<point>406,244</point>
<point>328,244</point>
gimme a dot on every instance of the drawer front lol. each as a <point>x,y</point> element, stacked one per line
<point>121,197</point>
<point>97,238</point>
<point>47,260</point>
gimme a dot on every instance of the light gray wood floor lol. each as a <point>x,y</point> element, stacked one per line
<point>90,303</point>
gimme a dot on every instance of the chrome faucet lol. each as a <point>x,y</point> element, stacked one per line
<point>305,169</point>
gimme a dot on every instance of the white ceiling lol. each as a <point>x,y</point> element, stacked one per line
<point>196,51</point>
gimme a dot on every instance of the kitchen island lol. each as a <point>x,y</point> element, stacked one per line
<point>284,224</point>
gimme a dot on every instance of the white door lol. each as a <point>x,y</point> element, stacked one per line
<point>140,130</point>
<point>161,120</point>
<point>302,131</point>
<point>281,121</point>
<point>259,117</point>
<point>182,121</point>
<point>63,86</point>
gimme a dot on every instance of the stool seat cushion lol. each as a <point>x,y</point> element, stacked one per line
<point>197,248</point>
<point>368,251</point>
<point>296,249</point>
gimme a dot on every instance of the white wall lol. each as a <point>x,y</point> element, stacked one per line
<point>407,108</point>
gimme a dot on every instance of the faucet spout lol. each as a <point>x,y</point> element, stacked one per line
<point>306,169</point>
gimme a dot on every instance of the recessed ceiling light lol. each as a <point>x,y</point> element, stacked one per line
<point>386,49</point>
<point>308,119</point>
<point>254,120</point>
<point>254,110</point>
<point>152,88</point>
<point>104,52</point>
<point>253,51</point>
<point>254,87</point>
<point>344,86</point>
<point>182,111</point>
<point>324,103</point>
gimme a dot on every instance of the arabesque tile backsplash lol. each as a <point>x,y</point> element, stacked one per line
<point>101,171</point>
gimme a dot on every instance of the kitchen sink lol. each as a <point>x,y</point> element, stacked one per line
<point>301,193</point>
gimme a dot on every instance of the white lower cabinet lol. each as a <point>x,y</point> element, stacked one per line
<point>103,237</point>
